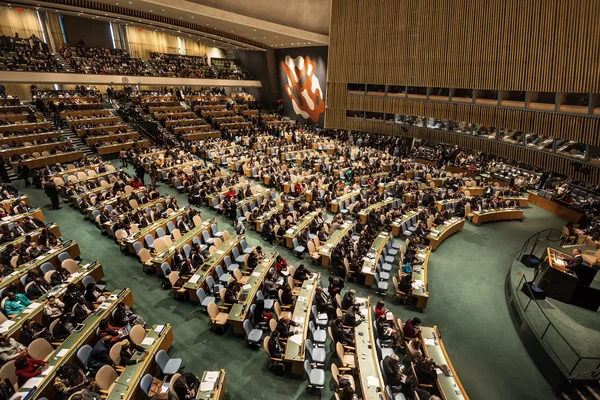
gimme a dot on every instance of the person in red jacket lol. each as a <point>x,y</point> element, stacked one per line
<point>27,367</point>
<point>136,183</point>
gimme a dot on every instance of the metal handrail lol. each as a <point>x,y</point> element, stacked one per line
<point>537,235</point>
<point>523,281</point>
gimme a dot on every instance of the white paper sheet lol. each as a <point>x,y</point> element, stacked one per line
<point>296,339</point>
<point>62,353</point>
<point>372,381</point>
<point>158,328</point>
<point>194,279</point>
<point>207,386</point>
<point>429,341</point>
<point>148,341</point>
<point>31,382</point>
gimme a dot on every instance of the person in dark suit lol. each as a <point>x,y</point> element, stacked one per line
<point>576,261</point>
<point>425,370</point>
<point>391,372</point>
<point>37,289</point>
<point>52,192</point>
<point>283,326</point>
<point>276,346</point>
<point>140,172</point>
<point>324,303</point>
<point>23,171</point>
<point>341,335</point>
<point>351,319</point>
<point>99,356</point>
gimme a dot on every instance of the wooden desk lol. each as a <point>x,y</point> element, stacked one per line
<point>197,280</point>
<point>397,225</point>
<point>107,226</point>
<point>446,204</point>
<point>118,147</point>
<point>433,347</point>
<point>7,204</point>
<point>499,215</point>
<point>151,229</point>
<point>29,138</point>
<point>34,163</point>
<point>364,214</point>
<point>188,238</point>
<point>334,205</point>
<point>444,231</point>
<point>35,213</point>
<point>366,357</point>
<point>241,311</point>
<point>370,264</point>
<point>127,385</point>
<point>261,220</point>
<point>12,328</point>
<point>293,233</point>
<point>522,201</point>
<point>76,340</point>
<point>34,235</point>
<point>69,246</point>
<point>555,208</point>
<point>218,392</point>
<point>419,277</point>
<point>333,240</point>
<point>294,353</point>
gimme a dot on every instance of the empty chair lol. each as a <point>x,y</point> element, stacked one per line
<point>269,303</point>
<point>253,335</point>
<point>160,232</point>
<point>215,232</point>
<point>167,365</point>
<point>318,335</point>
<point>218,319</point>
<point>298,250</point>
<point>320,318</point>
<point>244,247</point>
<point>316,377</point>
<point>203,299</point>
<point>223,277</point>
<point>382,286</point>
<point>207,239</point>
<point>316,354</point>
<point>230,267</point>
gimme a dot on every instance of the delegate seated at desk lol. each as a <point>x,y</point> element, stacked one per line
<point>340,334</point>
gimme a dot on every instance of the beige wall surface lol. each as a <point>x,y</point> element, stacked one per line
<point>309,15</point>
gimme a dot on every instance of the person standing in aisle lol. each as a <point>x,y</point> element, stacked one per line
<point>52,192</point>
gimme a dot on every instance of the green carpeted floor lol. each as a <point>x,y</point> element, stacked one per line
<point>467,303</point>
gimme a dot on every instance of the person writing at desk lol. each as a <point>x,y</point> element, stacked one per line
<point>283,327</point>
<point>353,317</point>
<point>380,310</point>
<point>425,370</point>
<point>324,303</point>
<point>186,386</point>
<point>411,328</point>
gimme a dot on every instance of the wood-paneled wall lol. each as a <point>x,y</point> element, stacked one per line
<point>521,45</point>
<point>531,45</point>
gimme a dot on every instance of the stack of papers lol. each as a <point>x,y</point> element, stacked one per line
<point>429,341</point>
<point>194,279</point>
<point>159,328</point>
<point>372,381</point>
<point>296,339</point>
<point>148,341</point>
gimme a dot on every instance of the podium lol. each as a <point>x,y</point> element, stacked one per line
<point>554,279</point>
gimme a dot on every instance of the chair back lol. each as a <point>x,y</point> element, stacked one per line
<point>83,355</point>
<point>212,310</point>
<point>115,353</point>
<point>105,377</point>
<point>137,334</point>
<point>272,325</point>
<point>161,359</point>
<point>172,385</point>
<point>339,350</point>
<point>146,382</point>
<point>39,349</point>
<point>70,265</point>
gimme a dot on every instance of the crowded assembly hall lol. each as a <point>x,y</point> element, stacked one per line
<point>317,199</point>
